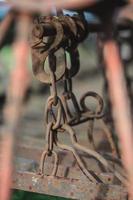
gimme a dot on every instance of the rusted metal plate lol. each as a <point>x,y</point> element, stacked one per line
<point>69,188</point>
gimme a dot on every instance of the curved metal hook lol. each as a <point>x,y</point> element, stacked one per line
<point>70,41</point>
<point>71,46</point>
<point>39,57</point>
<point>99,109</point>
<point>82,29</point>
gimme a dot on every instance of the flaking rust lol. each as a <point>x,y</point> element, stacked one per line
<point>69,188</point>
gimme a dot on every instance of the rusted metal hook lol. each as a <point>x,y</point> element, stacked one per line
<point>39,57</point>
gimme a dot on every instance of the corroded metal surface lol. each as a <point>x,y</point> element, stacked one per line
<point>69,188</point>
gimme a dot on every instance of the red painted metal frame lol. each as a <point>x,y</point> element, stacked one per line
<point>45,6</point>
<point>19,81</point>
<point>121,106</point>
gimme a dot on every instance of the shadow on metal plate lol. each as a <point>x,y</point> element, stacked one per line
<point>23,195</point>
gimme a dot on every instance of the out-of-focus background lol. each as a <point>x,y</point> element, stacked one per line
<point>90,78</point>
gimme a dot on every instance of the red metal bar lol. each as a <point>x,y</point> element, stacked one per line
<point>16,91</point>
<point>120,106</point>
<point>45,6</point>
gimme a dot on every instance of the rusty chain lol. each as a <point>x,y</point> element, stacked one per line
<point>59,117</point>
